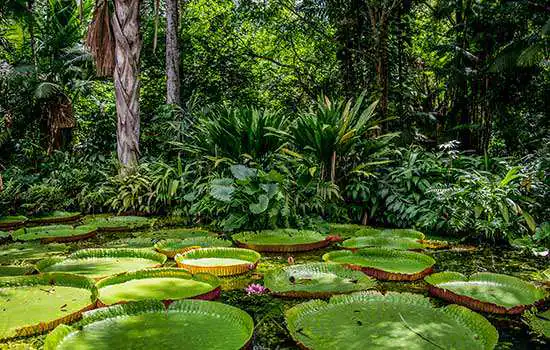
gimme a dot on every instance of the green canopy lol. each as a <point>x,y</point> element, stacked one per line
<point>370,320</point>
<point>186,324</point>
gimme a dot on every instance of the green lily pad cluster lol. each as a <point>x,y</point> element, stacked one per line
<point>281,240</point>
<point>118,223</point>
<point>171,247</point>
<point>57,216</point>
<point>51,233</point>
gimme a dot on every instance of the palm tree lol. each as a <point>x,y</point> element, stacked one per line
<point>172,53</point>
<point>115,43</point>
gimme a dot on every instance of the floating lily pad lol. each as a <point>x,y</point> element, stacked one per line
<point>99,263</point>
<point>54,233</point>
<point>10,222</point>
<point>186,324</point>
<point>316,280</point>
<point>138,242</point>
<point>393,233</point>
<point>53,217</point>
<point>38,303</point>
<point>484,291</point>
<point>385,264</point>
<point>19,252</point>
<point>538,322</point>
<point>171,247</point>
<point>118,223</point>
<point>282,240</point>
<point>165,284</point>
<point>219,261</point>
<point>370,320</point>
<point>16,270</point>
<point>345,230</point>
<point>386,242</point>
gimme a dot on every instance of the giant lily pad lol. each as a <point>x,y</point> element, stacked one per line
<point>38,303</point>
<point>282,240</point>
<point>118,223</point>
<point>99,263</point>
<point>31,251</point>
<point>171,247</point>
<point>16,270</point>
<point>54,217</point>
<point>186,324</point>
<point>316,280</point>
<point>10,222</point>
<point>54,233</point>
<point>370,320</point>
<point>486,291</point>
<point>178,233</point>
<point>137,242</point>
<point>386,242</point>
<point>385,264</point>
<point>219,261</point>
<point>392,233</point>
<point>345,230</point>
<point>538,322</point>
<point>157,284</point>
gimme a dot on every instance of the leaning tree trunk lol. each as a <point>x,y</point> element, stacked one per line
<point>125,22</point>
<point>172,53</point>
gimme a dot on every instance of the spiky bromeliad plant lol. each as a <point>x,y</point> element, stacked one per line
<point>193,324</point>
<point>102,262</point>
<point>484,291</point>
<point>164,284</point>
<point>316,280</point>
<point>220,261</point>
<point>370,320</point>
<point>281,240</point>
<point>36,304</point>
<point>385,264</point>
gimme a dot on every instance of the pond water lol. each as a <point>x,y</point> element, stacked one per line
<point>268,311</point>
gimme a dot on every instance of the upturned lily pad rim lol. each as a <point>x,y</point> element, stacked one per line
<point>118,223</point>
<point>163,272</point>
<point>252,240</point>
<point>400,243</point>
<point>539,294</point>
<point>25,234</point>
<point>105,253</point>
<point>470,319</point>
<point>10,222</point>
<point>364,282</point>
<point>48,279</point>
<point>219,252</point>
<point>231,313</point>
<point>56,216</point>
<point>381,274</point>
<point>171,247</point>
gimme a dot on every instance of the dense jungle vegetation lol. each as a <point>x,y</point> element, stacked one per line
<point>432,114</point>
<point>266,152</point>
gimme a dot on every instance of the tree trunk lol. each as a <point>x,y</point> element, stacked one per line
<point>172,53</point>
<point>125,21</point>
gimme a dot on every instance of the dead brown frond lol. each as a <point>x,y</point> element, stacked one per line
<point>100,40</point>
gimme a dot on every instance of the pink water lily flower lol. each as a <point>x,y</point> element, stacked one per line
<point>255,289</point>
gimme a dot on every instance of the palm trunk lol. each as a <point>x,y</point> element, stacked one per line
<point>172,53</point>
<point>125,22</point>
